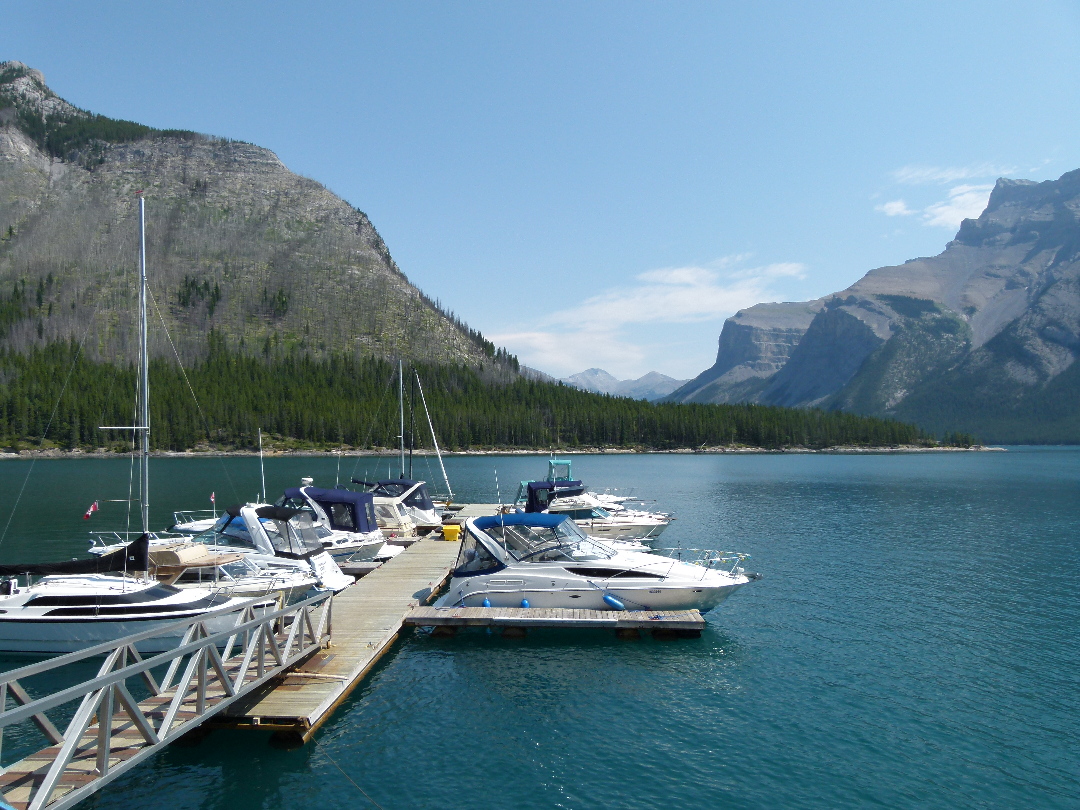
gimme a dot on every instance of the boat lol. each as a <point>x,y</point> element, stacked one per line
<point>542,560</point>
<point>403,507</point>
<point>79,603</point>
<point>193,565</point>
<point>560,493</point>
<point>274,535</point>
<point>344,521</point>
<point>193,521</point>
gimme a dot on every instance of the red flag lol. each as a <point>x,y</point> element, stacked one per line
<point>211,497</point>
<point>93,508</point>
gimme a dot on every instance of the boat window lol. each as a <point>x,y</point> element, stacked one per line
<point>341,517</point>
<point>322,532</point>
<point>474,558</point>
<point>387,514</point>
<point>295,536</point>
<point>228,531</point>
<point>372,522</point>
<point>563,542</point>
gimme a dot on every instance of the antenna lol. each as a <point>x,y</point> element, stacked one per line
<point>401,409</point>
<point>502,521</point>
<point>262,469</point>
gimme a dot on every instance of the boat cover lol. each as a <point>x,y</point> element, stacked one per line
<point>540,493</point>
<point>348,511</point>
<point>133,557</point>
<point>519,519</point>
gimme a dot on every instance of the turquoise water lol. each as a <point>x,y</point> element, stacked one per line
<point>912,644</point>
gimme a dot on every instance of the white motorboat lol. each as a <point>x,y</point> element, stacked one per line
<point>193,565</point>
<point>606,519</point>
<point>78,603</point>
<point>344,521</point>
<point>274,535</point>
<point>547,561</point>
<point>590,515</point>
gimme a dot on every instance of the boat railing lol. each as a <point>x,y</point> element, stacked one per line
<point>730,561</point>
<point>104,540</point>
<point>111,730</point>
<point>191,515</point>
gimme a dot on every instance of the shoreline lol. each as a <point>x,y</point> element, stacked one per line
<point>101,453</point>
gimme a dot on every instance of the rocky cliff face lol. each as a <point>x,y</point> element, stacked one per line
<point>238,245</point>
<point>982,337</point>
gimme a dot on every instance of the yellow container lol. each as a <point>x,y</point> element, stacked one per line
<point>450,531</point>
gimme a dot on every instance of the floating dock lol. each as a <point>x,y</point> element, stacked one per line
<point>367,617</point>
<point>682,623</point>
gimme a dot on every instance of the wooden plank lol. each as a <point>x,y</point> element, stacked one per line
<point>555,617</point>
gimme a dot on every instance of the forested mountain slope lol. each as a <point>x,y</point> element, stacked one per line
<point>237,244</point>
<point>981,338</point>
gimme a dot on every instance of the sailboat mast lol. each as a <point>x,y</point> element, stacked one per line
<point>401,408</point>
<point>412,424</point>
<point>144,377</point>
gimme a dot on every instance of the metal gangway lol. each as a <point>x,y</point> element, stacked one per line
<point>113,729</point>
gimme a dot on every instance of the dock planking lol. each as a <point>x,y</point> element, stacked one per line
<point>682,620</point>
<point>367,617</point>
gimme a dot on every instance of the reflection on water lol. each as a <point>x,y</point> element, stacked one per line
<point>912,643</point>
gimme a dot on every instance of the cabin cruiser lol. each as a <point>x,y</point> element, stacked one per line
<point>273,535</point>
<point>83,604</point>
<point>344,521</point>
<point>403,507</point>
<point>547,561</point>
<point>560,493</point>
<point>193,565</point>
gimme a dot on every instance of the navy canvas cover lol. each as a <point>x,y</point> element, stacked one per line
<point>543,492</point>
<point>360,506</point>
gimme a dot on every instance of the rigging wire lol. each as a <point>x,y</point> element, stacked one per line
<point>52,416</point>
<point>198,406</point>
<point>371,427</point>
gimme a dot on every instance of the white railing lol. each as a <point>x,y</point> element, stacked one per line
<point>111,731</point>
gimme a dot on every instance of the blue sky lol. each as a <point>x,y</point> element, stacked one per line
<point>602,184</point>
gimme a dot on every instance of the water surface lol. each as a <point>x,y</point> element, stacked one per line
<point>912,643</point>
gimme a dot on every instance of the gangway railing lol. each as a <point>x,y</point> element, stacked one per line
<point>112,731</point>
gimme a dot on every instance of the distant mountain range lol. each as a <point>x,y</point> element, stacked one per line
<point>981,338</point>
<point>652,386</point>
<point>238,246</point>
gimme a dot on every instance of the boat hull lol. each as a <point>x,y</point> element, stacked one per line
<point>47,635</point>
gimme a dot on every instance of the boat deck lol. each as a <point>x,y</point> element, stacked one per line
<point>367,617</point>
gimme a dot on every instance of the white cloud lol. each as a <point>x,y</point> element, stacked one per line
<point>602,330</point>
<point>896,208</point>
<point>916,175</point>
<point>964,202</point>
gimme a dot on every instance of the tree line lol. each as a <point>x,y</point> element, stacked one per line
<point>57,392</point>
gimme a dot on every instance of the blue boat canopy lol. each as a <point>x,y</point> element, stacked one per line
<point>348,511</point>
<point>520,519</point>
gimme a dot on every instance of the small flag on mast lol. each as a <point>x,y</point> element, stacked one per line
<point>93,508</point>
<point>211,497</point>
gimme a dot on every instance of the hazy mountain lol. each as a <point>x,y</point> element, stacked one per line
<point>982,337</point>
<point>237,245</point>
<point>652,386</point>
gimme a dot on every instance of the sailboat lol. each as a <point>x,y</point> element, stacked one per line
<point>80,603</point>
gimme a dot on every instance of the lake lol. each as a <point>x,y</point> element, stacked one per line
<point>913,642</point>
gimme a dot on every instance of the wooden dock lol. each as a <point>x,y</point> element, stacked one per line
<point>683,623</point>
<point>367,617</point>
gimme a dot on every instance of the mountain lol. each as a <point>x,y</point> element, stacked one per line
<point>239,248</point>
<point>981,338</point>
<point>652,386</point>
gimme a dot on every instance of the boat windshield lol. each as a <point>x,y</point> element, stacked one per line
<point>228,531</point>
<point>562,542</point>
<point>293,536</point>
<point>297,503</point>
